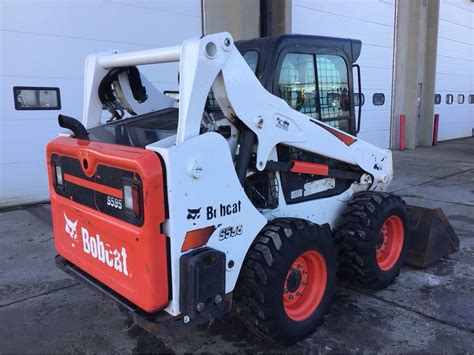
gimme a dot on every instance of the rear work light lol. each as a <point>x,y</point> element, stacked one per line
<point>57,174</point>
<point>132,198</point>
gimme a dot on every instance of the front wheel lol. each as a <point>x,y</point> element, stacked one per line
<point>373,239</point>
<point>287,280</point>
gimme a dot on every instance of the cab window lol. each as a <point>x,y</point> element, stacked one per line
<point>334,95</point>
<point>297,83</point>
<point>251,57</point>
<point>317,86</point>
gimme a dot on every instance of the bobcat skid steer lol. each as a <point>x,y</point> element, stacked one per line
<point>176,209</point>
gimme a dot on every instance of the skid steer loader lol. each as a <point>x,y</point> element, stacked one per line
<point>253,188</point>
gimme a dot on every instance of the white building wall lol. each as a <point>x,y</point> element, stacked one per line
<point>45,44</point>
<point>455,68</point>
<point>372,22</point>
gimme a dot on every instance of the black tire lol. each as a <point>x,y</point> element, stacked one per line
<point>260,288</point>
<point>359,235</point>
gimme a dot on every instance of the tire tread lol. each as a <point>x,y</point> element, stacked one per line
<point>261,262</point>
<point>352,239</point>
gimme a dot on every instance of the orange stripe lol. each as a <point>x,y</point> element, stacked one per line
<point>197,238</point>
<point>347,139</point>
<point>94,186</point>
<point>303,167</point>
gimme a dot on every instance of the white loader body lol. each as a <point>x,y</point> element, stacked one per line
<point>200,172</point>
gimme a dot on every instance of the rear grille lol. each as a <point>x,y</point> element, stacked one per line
<point>103,191</point>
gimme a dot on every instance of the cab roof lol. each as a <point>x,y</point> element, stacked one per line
<point>271,46</point>
<point>271,50</point>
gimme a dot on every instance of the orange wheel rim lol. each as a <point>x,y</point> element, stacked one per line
<point>304,285</point>
<point>390,242</point>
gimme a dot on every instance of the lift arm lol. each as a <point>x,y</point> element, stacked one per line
<point>214,61</point>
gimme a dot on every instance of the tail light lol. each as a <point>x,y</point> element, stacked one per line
<point>57,174</point>
<point>132,198</point>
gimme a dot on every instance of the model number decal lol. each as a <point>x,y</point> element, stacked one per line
<point>230,232</point>
<point>282,124</point>
<point>114,202</point>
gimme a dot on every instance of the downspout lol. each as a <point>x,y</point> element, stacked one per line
<point>266,18</point>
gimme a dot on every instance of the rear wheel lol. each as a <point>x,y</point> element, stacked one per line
<point>373,239</point>
<point>287,280</point>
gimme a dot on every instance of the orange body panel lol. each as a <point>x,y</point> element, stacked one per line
<point>130,259</point>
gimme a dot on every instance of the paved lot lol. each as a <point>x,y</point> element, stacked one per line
<point>432,310</point>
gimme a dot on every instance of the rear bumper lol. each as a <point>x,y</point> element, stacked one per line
<point>158,322</point>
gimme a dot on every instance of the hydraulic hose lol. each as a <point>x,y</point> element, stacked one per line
<point>246,141</point>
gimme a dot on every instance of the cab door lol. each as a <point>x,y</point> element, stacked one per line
<point>314,80</point>
<point>317,81</point>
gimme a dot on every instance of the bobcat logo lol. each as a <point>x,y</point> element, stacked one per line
<point>194,213</point>
<point>70,229</point>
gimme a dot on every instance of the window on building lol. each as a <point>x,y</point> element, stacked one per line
<point>359,100</point>
<point>437,99</point>
<point>460,99</point>
<point>449,99</point>
<point>297,83</point>
<point>36,98</point>
<point>378,99</point>
<point>471,99</point>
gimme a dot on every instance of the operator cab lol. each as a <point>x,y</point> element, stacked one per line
<point>313,74</point>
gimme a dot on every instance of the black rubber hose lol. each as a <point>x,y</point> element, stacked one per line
<point>77,128</point>
<point>138,90</point>
<point>246,141</point>
<point>104,91</point>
